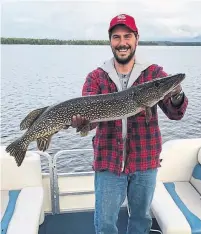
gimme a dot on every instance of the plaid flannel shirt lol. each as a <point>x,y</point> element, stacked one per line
<point>143,142</point>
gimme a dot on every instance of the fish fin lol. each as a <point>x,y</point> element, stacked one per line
<point>148,113</point>
<point>18,149</point>
<point>31,117</point>
<point>83,129</point>
<point>44,142</point>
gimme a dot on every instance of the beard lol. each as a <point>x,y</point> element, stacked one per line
<point>123,60</point>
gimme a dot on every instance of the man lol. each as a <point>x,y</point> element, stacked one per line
<point>126,152</point>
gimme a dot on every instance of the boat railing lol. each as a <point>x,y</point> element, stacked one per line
<point>53,175</point>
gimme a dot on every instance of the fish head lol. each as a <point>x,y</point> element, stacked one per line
<point>166,84</point>
<point>151,92</point>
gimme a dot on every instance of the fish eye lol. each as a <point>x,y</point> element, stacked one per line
<point>157,84</point>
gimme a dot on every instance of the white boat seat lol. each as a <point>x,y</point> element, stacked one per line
<point>177,208</point>
<point>21,194</point>
<point>22,210</point>
<point>196,176</point>
<point>177,201</point>
<point>8,202</point>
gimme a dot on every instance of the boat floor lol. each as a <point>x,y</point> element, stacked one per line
<point>81,222</point>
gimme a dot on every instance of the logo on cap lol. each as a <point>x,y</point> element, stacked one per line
<point>121,17</point>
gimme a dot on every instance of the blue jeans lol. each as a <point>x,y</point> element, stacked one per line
<point>110,193</point>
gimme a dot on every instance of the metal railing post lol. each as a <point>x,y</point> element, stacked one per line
<point>55,174</point>
<point>51,173</point>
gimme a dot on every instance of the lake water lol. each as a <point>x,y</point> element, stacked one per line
<point>36,76</point>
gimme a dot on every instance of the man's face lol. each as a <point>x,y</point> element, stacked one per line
<point>123,43</point>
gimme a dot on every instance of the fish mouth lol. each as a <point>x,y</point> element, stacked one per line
<point>179,78</point>
<point>172,82</point>
<point>175,79</point>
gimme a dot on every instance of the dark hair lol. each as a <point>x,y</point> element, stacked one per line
<point>110,32</point>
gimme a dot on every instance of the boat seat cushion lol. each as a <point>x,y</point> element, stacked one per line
<point>199,156</point>
<point>196,175</point>
<point>176,206</point>
<point>196,178</point>
<point>27,211</point>
<point>8,202</point>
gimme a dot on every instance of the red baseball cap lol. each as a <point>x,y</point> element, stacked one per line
<point>127,20</point>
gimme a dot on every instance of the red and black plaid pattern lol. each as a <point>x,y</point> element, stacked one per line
<point>143,142</point>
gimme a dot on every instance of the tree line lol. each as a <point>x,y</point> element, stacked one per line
<point>33,41</point>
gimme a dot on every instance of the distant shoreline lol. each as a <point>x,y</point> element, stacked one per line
<point>30,41</point>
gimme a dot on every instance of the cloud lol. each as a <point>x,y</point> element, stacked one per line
<point>90,19</point>
<point>174,18</point>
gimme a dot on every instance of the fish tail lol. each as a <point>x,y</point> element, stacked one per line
<point>18,149</point>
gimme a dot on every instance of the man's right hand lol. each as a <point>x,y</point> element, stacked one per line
<point>78,121</point>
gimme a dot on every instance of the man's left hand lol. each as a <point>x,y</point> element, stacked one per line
<point>177,96</point>
<point>176,90</point>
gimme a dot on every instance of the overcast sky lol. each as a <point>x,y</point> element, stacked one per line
<point>90,19</point>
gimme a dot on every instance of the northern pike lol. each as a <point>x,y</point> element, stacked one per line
<point>43,123</point>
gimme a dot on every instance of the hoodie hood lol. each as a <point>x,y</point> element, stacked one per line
<point>139,66</point>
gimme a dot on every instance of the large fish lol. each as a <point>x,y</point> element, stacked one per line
<point>42,123</point>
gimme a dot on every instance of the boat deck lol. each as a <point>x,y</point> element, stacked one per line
<point>72,199</point>
<point>81,222</point>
